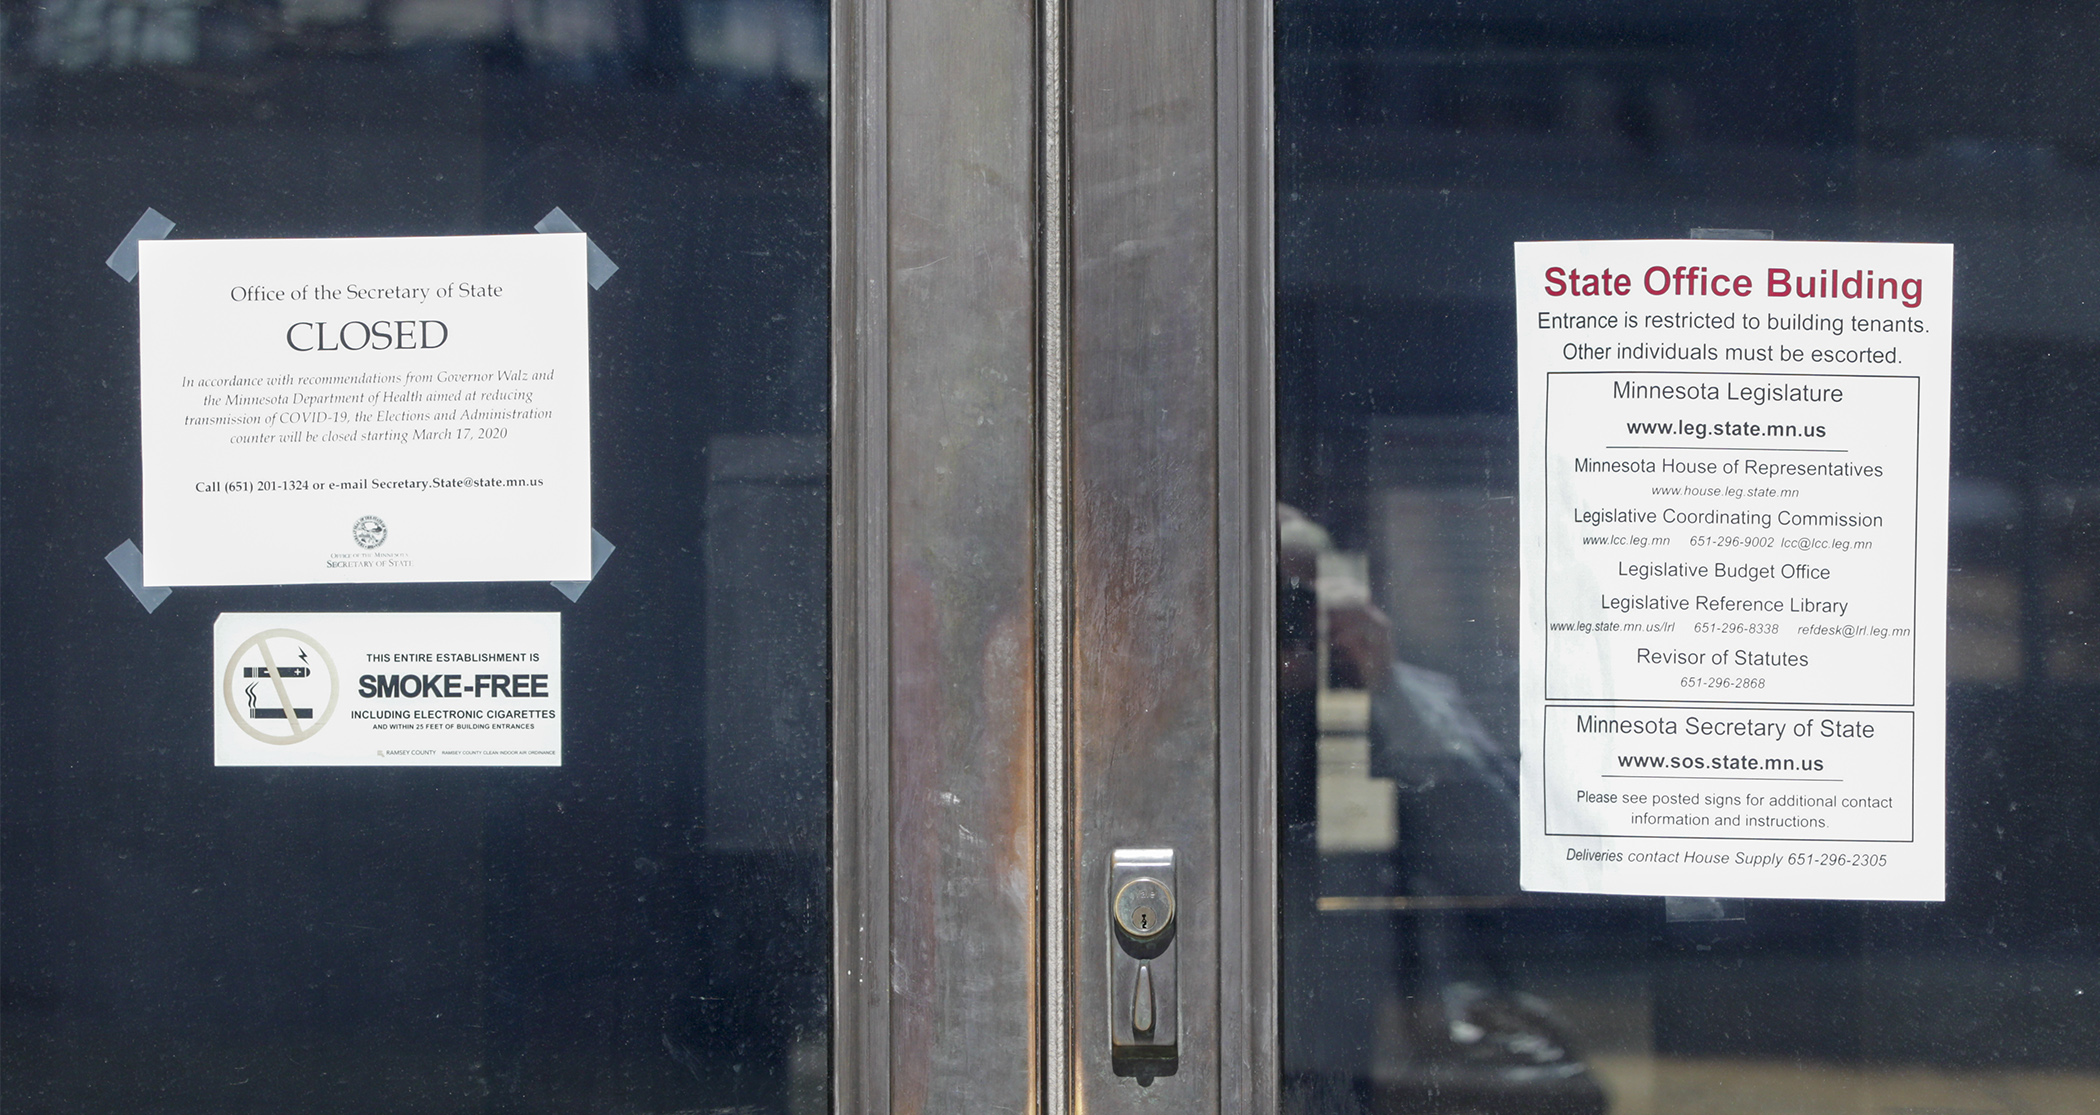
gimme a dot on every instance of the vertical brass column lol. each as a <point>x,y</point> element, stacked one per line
<point>1171,504</point>
<point>935,349</point>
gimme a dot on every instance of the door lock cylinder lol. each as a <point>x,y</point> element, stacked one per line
<point>1144,1017</point>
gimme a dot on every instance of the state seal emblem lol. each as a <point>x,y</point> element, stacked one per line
<point>369,531</point>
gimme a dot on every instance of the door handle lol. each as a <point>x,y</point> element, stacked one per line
<point>1144,1016</point>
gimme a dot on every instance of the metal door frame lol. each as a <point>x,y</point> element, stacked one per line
<point>1052,612</point>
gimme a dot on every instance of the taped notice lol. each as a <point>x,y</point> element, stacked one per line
<point>365,410</point>
<point>406,689</point>
<point>1734,538</point>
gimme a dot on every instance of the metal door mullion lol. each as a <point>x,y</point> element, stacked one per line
<point>1171,500</point>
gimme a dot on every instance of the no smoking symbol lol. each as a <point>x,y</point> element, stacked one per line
<point>280,672</point>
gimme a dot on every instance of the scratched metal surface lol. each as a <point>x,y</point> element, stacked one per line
<point>961,276</point>
<point>1144,509</point>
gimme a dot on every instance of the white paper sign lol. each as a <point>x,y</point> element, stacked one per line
<point>399,689</point>
<point>1734,537</point>
<point>365,410</point>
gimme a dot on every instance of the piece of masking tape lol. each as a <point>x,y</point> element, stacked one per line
<point>130,565</point>
<point>600,550</point>
<point>601,266</point>
<point>125,260</point>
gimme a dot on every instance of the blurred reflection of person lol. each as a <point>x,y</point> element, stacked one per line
<point>1455,796</point>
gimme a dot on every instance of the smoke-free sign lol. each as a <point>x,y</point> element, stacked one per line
<point>415,689</point>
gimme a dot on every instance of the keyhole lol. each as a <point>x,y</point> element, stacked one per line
<point>1144,908</point>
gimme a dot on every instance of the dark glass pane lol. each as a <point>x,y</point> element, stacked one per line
<point>645,928</point>
<point>1416,142</point>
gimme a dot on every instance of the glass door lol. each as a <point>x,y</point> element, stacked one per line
<point>991,557</point>
<point>1417,143</point>
<point>644,926</point>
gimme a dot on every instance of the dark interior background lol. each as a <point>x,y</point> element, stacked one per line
<point>645,928</point>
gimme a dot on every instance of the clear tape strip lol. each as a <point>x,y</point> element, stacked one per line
<point>130,566</point>
<point>601,266</point>
<point>600,550</point>
<point>125,260</point>
<point>1702,909</point>
<point>1677,909</point>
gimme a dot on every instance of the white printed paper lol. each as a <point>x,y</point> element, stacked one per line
<point>1734,536</point>
<point>365,410</point>
<point>404,689</point>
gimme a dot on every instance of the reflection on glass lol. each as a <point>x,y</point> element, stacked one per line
<point>735,42</point>
<point>1416,143</point>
